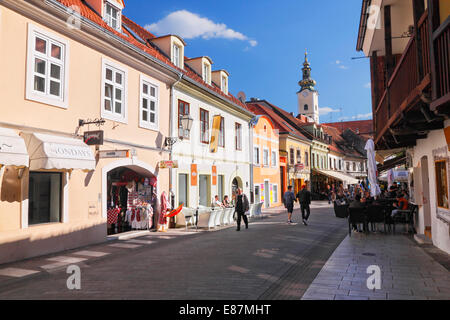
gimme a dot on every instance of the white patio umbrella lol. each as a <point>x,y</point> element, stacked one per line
<point>372,168</point>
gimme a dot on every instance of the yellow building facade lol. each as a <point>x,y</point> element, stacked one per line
<point>266,166</point>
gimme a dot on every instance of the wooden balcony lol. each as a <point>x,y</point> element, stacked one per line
<point>441,83</point>
<point>404,111</point>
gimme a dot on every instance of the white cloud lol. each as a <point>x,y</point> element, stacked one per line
<point>368,85</point>
<point>340,65</point>
<point>362,116</point>
<point>327,110</point>
<point>357,117</point>
<point>190,25</point>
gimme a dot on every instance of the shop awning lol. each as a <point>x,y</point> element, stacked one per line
<point>389,164</point>
<point>398,176</point>
<point>382,155</point>
<point>338,175</point>
<point>13,151</point>
<point>51,152</point>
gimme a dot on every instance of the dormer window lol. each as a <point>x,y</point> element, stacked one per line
<point>113,16</point>
<point>176,55</point>
<point>207,73</point>
<point>224,84</point>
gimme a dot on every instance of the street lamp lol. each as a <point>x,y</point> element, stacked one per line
<point>186,126</point>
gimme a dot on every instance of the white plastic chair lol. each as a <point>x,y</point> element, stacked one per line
<point>231,216</point>
<point>226,215</point>
<point>219,215</point>
<point>185,217</point>
<point>259,210</point>
<point>251,211</point>
<point>204,216</point>
<point>212,219</point>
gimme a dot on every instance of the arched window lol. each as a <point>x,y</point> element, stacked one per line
<point>306,107</point>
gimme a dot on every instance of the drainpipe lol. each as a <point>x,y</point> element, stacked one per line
<point>250,146</point>
<point>171,192</point>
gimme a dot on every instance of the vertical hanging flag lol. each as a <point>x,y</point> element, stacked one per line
<point>214,175</point>
<point>213,145</point>
<point>194,175</point>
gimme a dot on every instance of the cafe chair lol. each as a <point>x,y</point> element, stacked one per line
<point>405,217</point>
<point>340,210</point>
<point>376,214</point>
<point>356,216</point>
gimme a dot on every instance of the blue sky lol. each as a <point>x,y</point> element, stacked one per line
<point>261,43</point>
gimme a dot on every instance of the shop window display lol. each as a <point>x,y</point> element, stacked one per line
<point>131,204</point>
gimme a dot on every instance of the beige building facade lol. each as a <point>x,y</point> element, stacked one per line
<point>56,76</point>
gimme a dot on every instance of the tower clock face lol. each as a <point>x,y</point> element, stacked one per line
<point>305,93</point>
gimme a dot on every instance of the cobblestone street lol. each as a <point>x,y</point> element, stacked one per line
<point>271,260</point>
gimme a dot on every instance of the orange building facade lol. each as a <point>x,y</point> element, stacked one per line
<point>266,163</point>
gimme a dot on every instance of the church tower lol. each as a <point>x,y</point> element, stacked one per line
<point>308,97</point>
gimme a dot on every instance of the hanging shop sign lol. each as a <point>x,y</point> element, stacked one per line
<point>194,175</point>
<point>447,136</point>
<point>214,175</point>
<point>93,138</point>
<point>168,164</point>
<point>299,166</point>
<point>108,154</point>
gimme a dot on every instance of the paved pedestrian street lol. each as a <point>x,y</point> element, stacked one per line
<point>407,271</point>
<point>271,260</point>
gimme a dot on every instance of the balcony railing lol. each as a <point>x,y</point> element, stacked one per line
<point>441,40</point>
<point>404,85</point>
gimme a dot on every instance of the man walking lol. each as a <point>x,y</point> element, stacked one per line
<point>304,197</point>
<point>242,206</point>
<point>289,199</point>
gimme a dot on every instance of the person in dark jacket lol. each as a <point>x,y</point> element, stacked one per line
<point>358,203</point>
<point>242,206</point>
<point>304,197</point>
<point>289,199</point>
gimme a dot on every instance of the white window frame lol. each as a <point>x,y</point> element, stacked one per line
<point>176,59</point>
<point>256,154</point>
<point>276,162</point>
<point>108,19</point>
<point>275,194</point>
<point>268,157</point>
<point>207,73</point>
<point>225,84</point>
<point>63,100</point>
<point>142,123</point>
<point>24,223</point>
<point>110,115</point>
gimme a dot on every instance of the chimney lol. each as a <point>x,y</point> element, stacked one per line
<point>253,99</point>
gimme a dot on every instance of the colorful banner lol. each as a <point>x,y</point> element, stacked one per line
<point>262,192</point>
<point>214,144</point>
<point>194,175</point>
<point>214,175</point>
<point>271,193</point>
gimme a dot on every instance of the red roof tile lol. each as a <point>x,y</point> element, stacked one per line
<point>88,13</point>
<point>278,122</point>
<point>364,127</point>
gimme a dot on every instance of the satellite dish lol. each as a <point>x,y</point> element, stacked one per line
<point>241,96</point>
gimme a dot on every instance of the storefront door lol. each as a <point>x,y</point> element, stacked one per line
<point>204,191</point>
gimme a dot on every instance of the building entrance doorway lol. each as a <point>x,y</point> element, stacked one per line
<point>426,196</point>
